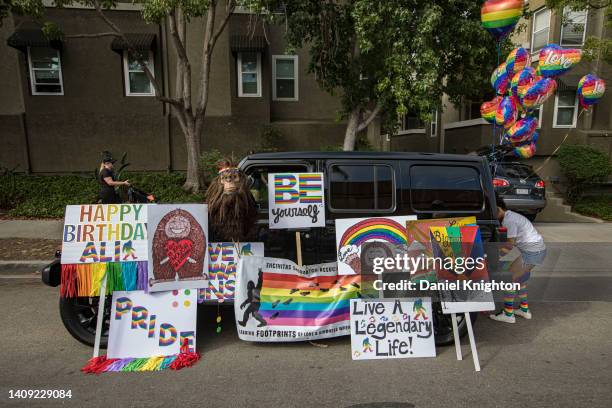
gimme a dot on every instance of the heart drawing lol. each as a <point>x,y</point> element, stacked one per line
<point>178,252</point>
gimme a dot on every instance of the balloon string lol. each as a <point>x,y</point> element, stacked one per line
<point>557,148</point>
<point>494,128</point>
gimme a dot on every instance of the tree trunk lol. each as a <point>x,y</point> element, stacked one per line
<point>350,136</point>
<point>192,141</point>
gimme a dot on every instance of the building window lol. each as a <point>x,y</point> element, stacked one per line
<point>574,27</point>
<point>45,71</point>
<point>537,113</point>
<point>249,74</point>
<point>566,109</point>
<point>136,81</point>
<point>434,124</point>
<point>411,121</point>
<point>285,77</point>
<point>540,29</point>
<point>361,187</point>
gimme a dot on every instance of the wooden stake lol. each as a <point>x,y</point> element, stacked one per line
<point>298,247</point>
<point>456,336</point>
<point>472,342</point>
<point>96,351</point>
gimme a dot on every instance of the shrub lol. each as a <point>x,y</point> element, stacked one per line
<point>596,206</point>
<point>582,165</point>
<point>208,164</point>
<point>9,194</point>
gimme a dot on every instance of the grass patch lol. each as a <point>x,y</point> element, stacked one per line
<point>596,206</point>
<point>47,196</point>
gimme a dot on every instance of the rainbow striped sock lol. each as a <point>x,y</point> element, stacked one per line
<point>509,302</point>
<point>523,298</point>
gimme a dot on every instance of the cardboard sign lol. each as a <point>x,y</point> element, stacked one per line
<point>277,301</point>
<point>223,260</point>
<point>351,233</point>
<point>393,328</point>
<point>154,324</point>
<point>296,200</point>
<point>104,233</point>
<point>177,246</point>
<point>461,270</point>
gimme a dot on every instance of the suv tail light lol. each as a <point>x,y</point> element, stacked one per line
<point>500,182</point>
<point>540,184</point>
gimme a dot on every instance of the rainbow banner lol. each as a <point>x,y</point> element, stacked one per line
<point>276,300</point>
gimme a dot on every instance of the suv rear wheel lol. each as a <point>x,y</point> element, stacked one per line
<point>79,316</point>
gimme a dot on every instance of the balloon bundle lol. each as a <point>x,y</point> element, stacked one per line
<point>521,89</point>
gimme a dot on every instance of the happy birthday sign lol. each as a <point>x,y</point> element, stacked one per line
<point>392,329</point>
<point>296,200</point>
<point>104,233</point>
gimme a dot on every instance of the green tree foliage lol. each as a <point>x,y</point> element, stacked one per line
<point>582,165</point>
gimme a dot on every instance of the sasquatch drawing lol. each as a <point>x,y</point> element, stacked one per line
<point>231,207</point>
<point>178,247</point>
<point>253,300</point>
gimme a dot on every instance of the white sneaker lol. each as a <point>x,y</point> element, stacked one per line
<point>502,317</point>
<point>524,315</point>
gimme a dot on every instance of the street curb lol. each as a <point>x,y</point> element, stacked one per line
<point>22,267</point>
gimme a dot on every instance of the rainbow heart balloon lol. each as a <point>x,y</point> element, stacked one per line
<point>500,79</point>
<point>517,60</point>
<point>499,17</point>
<point>507,112</point>
<point>522,130</point>
<point>521,81</point>
<point>526,151</point>
<point>489,108</point>
<point>555,61</point>
<point>538,93</point>
<point>590,90</point>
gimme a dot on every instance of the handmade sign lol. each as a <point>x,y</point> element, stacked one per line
<point>393,328</point>
<point>276,300</point>
<point>461,271</point>
<point>296,200</point>
<point>177,245</point>
<point>104,233</point>
<point>153,324</point>
<point>351,233</point>
<point>223,260</point>
<point>419,242</point>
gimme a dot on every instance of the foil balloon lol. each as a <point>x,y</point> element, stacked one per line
<point>526,151</point>
<point>522,130</point>
<point>488,109</point>
<point>500,79</point>
<point>555,61</point>
<point>590,90</point>
<point>507,112</point>
<point>518,59</point>
<point>538,93</point>
<point>521,81</point>
<point>499,17</point>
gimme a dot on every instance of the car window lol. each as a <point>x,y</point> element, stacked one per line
<point>445,188</point>
<point>516,171</point>
<point>258,177</point>
<point>361,187</point>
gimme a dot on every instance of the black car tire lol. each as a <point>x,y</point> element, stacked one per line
<point>444,328</point>
<point>79,316</point>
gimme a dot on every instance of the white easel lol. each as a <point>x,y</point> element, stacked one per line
<point>468,321</point>
<point>100,319</point>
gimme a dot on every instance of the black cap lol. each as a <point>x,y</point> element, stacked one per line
<point>108,159</point>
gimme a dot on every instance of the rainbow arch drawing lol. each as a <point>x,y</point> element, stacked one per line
<point>374,229</point>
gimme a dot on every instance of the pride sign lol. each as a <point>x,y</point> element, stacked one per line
<point>297,200</point>
<point>104,233</point>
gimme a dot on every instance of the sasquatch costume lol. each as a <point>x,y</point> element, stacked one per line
<point>232,210</point>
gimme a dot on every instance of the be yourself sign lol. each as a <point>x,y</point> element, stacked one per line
<point>296,200</point>
<point>392,328</point>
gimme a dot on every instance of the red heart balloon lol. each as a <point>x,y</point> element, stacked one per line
<point>178,252</point>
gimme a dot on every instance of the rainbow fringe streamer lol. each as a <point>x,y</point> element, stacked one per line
<point>86,279</point>
<point>185,358</point>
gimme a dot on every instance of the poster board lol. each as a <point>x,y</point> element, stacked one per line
<point>351,233</point>
<point>177,246</point>
<point>296,200</point>
<point>153,324</point>
<point>278,301</point>
<point>95,233</point>
<point>223,258</point>
<point>392,328</point>
<point>459,280</point>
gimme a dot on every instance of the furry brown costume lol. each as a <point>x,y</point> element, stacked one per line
<point>232,210</point>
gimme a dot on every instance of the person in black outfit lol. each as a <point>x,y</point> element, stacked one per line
<point>108,182</point>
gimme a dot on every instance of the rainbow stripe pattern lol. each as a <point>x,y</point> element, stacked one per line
<point>152,321</point>
<point>282,189</point>
<point>555,61</point>
<point>517,60</point>
<point>590,89</point>
<point>538,93</point>
<point>489,108</point>
<point>374,229</point>
<point>311,188</point>
<point>139,317</point>
<point>522,130</point>
<point>521,81</point>
<point>291,300</point>
<point>167,334</point>
<point>500,79</point>
<point>499,17</point>
<point>507,112</point>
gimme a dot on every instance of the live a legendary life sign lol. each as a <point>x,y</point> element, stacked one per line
<point>105,233</point>
<point>296,200</point>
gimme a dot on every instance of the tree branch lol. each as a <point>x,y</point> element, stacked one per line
<point>93,35</point>
<point>183,77</point>
<point>370,118</point>
<point>231,6</point>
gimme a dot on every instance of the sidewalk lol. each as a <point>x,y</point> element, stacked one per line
<point>42,229</point>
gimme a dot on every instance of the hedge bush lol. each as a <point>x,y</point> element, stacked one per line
<point>582,165</point>
<point>47,196</point>
<point>596,206</point>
